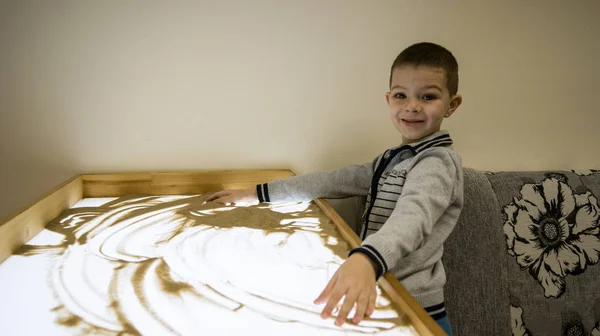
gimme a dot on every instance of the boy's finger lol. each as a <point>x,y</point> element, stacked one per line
<point>225,199</point>
<point>346,307</point>
<point>371,304</point>
<point>215,196</point>
<point>325,293</point>
<point>219,200</point>
<point>335,297</point>
<point>361,307</point>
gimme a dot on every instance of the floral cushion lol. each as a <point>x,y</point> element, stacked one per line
<point>551,226</point>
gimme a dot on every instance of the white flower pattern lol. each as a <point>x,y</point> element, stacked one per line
<point>552,232</point>
<point>586,172</point>
<point>596,331</point>
<point>518,327</point>
<point>516,322</point>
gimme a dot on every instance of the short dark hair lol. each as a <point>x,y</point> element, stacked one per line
<point>430,55</point>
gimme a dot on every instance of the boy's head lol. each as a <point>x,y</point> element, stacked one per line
<point>423,90</point>
<point>430,55</point>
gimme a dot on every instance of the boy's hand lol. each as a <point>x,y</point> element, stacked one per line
<point>236,196</point>
<point>356,280</point>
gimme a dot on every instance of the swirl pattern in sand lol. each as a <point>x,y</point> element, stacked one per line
<point>174,265</point>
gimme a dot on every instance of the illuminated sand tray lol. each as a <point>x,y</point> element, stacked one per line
<point>175,265</point>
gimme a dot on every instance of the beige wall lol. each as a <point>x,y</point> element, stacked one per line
<point>97,86</point>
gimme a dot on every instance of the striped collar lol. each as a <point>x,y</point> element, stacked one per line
<point>438,139</point>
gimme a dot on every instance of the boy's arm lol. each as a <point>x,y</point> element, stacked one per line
<point>427,193</point>
<point>350,181</point>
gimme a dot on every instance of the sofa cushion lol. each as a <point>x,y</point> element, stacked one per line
<point>477,295</point>
<point>551,227</point>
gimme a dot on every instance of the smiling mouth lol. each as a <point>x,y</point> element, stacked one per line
<point>412,121</point>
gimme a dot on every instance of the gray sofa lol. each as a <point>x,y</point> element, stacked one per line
<point>523,259</point>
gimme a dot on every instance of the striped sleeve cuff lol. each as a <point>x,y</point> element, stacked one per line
<point>437,312</point>
<point>371,252</point>
<point>262,190</point>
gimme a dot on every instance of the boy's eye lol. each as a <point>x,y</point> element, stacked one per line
<point>429,97</point>
<point>400,95</point>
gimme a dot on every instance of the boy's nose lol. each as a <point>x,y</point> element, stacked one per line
<point>413,106</point>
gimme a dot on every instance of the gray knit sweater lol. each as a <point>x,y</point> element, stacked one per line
<point>418,196</point>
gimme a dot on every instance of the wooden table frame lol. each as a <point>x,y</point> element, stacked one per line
<point>27,223</point>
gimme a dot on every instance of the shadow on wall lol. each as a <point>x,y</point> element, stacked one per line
<point>22,183</point>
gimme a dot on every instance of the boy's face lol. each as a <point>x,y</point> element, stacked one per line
<point>419,101</point>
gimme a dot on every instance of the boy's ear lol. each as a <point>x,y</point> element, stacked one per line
<point>454,104</point>
<point>387,97</point>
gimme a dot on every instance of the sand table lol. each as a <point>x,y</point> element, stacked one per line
<point>175,265</point>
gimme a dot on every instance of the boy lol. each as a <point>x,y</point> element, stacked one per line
<point>414,192</point>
